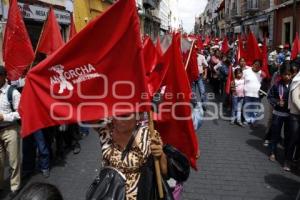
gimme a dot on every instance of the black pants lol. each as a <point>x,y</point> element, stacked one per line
<point>278,123</point>
<point>294,131</point>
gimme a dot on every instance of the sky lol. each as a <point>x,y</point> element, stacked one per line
<point>188,10</point>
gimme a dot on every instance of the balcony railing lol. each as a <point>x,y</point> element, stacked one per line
<point>235,13</point>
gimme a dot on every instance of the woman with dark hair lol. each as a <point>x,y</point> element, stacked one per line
<point>129,148</point>
<point>278,98</point>
<point>41,191</point>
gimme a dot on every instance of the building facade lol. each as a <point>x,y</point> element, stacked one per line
<point>35,13</point>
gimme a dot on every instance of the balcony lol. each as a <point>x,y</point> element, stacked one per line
<point>150,4</point>
<point>235,14</point>
<point>252,6</point>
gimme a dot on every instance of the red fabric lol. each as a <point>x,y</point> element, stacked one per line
<point>200,43</point>
<point>178,132</point>
<point>229,80</point>
<point>97,63</point>
<point>296,48</point>
<point>151,56</point>
<point>241,52</point>
<point>158,46</point>
<point>264,54</point>
<point>73,31</point>
<point>17,48</point>
<point>253,50</point>
<point>225,46</point>
<point>192,68</point>
<point>50,39</point>
<point>207,41</point>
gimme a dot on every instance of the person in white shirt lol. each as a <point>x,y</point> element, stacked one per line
<point>9,137</point>
<point>202,67</point>
<point>253,78</point>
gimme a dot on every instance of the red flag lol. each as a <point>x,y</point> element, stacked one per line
<point>17,48</point>
<point>151,55</point>
<point>253,51</point>
<point>200,43</point>
<point>105,78</point>
<point>158,46</point>
<point>264,54</point>
<point>241,52</point>
<point>50,39</point>
<point>174,129</point>
<point>296,48</point>
<point>229,80</point>
<point>207,41</point>
<point>192,67</point>
<point>225,46</point>
<point>73,31</point>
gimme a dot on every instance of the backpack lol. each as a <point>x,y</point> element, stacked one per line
<point>10,100</point>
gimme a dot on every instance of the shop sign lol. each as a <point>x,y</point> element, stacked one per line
<point>55,2</point>
<point>40,13</point>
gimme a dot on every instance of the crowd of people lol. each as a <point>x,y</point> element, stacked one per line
<point>249,85</point>
<point>37,152</point>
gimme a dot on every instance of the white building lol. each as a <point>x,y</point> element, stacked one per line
<point>165,15</point>
<point>175,16</point>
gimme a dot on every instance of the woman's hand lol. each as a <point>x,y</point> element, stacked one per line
<point>157,151</point>
<point>156,147</point>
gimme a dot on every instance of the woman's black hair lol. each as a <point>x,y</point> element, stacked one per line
<point>237,71</point>
<point>285,68</point>
<point>41,191</point>
<point>258,60</point>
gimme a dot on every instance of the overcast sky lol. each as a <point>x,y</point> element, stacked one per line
<point>188,10</point>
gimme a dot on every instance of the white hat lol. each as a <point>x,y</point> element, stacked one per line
<point>260,44</point>
<point>280,46</point>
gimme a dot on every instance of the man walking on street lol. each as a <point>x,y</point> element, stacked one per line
<point>9,137</point>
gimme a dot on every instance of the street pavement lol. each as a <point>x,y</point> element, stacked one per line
<point>233,165</point>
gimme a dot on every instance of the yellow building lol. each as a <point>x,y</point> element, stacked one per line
<point>86,10</point>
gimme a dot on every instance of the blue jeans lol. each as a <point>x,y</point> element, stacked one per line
<point>237,105</point>
<point>200,84</point>
<point>36,140</point>
<point>252,105</point>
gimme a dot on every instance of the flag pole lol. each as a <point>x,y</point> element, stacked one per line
<point>36,48</point>
<point>156,161</point>
<point>190,53</point>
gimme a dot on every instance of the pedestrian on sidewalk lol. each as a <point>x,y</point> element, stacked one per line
<point>278,98</point>
<point>9,136</point>
<point>238,95</point>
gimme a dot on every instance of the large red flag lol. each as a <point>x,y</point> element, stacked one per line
<point>151,55</point>
<point>206,41</point>
<point>158,46</point>
<point>90,77</point>
<point>264,54</point>
<point>50,39</point>
<point>73,31</point>
<point>17,49</point>
<point>296,48</point>
<point>253,50</point>
<point>225,46</point>
<point>177,128</point>
<point>241,52</point>
<point>200,43</point>
<point>229,80</point>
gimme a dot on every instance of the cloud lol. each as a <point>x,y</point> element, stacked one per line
<point>188,10</point>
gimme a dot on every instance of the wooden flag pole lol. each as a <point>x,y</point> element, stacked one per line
<point>156,161</point>
<point>190,53</point>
